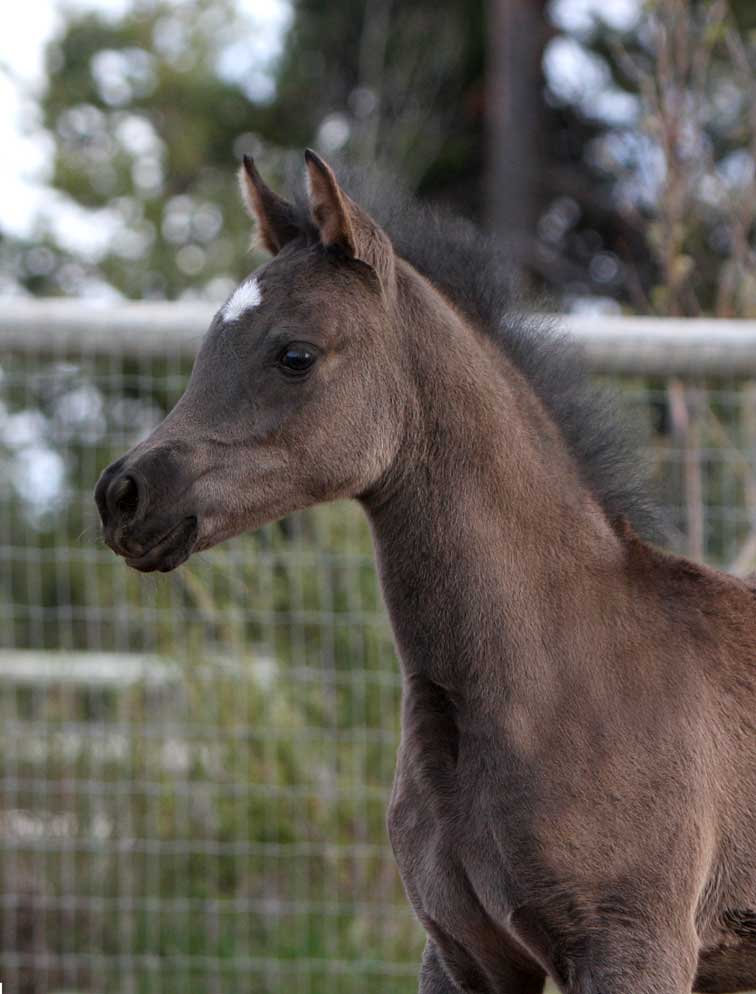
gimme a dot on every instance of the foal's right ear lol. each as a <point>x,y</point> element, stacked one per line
<point>275,217</point>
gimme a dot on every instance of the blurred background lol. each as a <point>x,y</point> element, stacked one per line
<point>194,768</point>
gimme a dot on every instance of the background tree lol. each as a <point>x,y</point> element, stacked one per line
<point>524,116</point>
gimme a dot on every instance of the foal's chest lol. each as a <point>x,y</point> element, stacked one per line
<point>458,880</point>
<point>460,886</point>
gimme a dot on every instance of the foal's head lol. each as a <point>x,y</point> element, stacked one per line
<point>296,396</point>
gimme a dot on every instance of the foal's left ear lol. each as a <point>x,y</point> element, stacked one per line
<point>344,225</point>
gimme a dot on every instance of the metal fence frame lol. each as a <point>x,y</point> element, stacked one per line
<point>641,350</point>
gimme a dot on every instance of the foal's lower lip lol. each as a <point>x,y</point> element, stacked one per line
<point>159,557</point>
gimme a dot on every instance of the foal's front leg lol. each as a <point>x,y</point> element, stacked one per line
<point>626,963</point>
<point>434,978</point>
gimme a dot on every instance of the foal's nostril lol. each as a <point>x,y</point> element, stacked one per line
<point>123,496</point>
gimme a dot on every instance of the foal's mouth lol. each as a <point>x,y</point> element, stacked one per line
<point>170,551</point>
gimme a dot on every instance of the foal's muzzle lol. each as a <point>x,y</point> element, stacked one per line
<point>140,506</point>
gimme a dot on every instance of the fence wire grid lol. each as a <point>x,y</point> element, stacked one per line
<point>194,768</point>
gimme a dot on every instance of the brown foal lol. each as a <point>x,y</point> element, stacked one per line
<point>575,793</point>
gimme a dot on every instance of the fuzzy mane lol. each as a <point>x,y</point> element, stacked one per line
<point>471,269</point>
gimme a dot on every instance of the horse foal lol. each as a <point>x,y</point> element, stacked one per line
<point>576,781</point>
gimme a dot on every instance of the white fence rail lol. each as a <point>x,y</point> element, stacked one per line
<point>612,344</point>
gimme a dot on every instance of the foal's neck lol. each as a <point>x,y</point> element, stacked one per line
<point>487,541</point>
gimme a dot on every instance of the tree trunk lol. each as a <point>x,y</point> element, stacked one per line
<point>514,121</point>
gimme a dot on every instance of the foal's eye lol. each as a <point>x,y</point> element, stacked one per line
<point>297,358</point>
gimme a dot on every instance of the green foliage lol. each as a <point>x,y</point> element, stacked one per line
<point>147,132</point>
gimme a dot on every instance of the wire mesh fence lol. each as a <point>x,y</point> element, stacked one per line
<point>194,767</point>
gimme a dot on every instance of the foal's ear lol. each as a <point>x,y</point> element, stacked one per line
<point>343,224</point>
<point>275,217</point>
